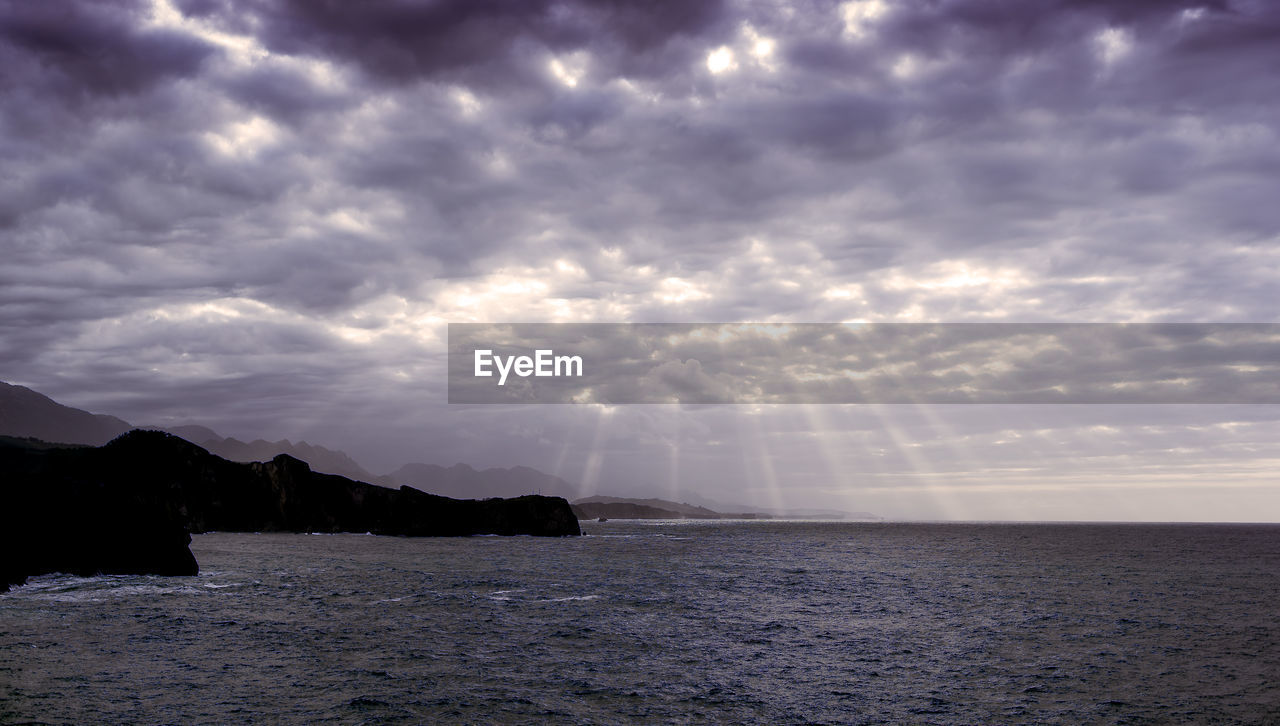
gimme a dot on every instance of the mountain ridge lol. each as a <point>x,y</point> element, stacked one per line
<point>26,413</point>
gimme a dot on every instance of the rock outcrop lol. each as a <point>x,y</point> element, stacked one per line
<point>128,506</point>
<point>57,514</point>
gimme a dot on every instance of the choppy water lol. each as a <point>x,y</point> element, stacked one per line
<point>669,622</point>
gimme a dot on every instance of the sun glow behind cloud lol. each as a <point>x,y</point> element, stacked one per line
<point>721,60</point>
<point>860,16</point>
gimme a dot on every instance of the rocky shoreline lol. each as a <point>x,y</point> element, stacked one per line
<point>130,506</point>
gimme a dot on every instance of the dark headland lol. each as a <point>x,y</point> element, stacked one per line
<point>130,506</point>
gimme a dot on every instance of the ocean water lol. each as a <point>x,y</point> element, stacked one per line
<point>669,622</point>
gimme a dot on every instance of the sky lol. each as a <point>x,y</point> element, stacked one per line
<point>261,216</point>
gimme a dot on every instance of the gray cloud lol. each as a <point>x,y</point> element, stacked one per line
<point>477,43</point>
<point>256,214</point>
<point>89,49</point>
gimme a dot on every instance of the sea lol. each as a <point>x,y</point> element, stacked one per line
<point>770,622</point>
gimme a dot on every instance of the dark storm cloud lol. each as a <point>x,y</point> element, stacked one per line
<point>474,42</point>
<point>757,154</point>
<point>88,48</point>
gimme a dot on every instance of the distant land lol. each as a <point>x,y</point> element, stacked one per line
<point>671,510</point>
<point>604,507</point>
<point>462,481</point>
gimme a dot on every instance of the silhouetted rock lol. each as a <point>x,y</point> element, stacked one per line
<point>127,507</point>
<point>62,511</point>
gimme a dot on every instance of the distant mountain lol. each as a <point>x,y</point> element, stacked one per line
<point>836,514</point>
<point>463,482</point>
<point>664,505</point>
<point>330,461</point>
<point>25,413</point>
<point>826,514</point>
<point>632,508</point>
<point>194,434</point>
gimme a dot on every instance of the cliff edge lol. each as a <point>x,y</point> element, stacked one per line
<point>129,507</point>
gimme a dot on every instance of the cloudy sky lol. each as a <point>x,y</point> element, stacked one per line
<point>261,215</point>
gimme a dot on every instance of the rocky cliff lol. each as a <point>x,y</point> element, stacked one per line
<point>127,507</point>
<point>62,510</point>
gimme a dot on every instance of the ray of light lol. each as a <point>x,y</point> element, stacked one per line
<point>674,485</point>
<point>950,507</point>
<point>757,455</point>
<point>826,434</point>
<point>946,435</point>
<point>596,454</point>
